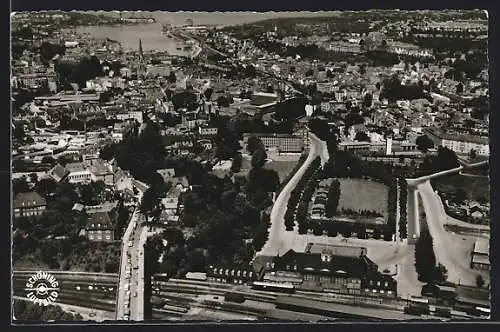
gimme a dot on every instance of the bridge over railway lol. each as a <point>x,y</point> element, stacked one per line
<point>413,194</point>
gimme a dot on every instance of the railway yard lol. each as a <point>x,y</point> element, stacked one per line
<point>181,299</point>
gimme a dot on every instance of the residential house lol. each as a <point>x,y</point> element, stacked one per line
<point>460,143</point>
<point>166,174</point>
<point>170,204</point>
<point>128,197</point>
<point>101,172</point>
<point>179,144</point>
<point>180,183</point>
<point>101,221</point>
<point>206,144</point>
<point>123,180</point>
<point>207,131</point>
<point>100,227</point>
<point>29,204</point>
<point>58,173</point>
<point>78,173</point>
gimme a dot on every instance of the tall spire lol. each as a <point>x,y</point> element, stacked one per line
<point>140,60</point>
<point>140,49</point>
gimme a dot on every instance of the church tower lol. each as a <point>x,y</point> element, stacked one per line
<point>140,61</point>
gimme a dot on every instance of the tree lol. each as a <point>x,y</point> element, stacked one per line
<point>208,93</point>
<point>150,202</point>
<point>472,154</point>
<point>362,69</point>
<point>441,273</point>
<point>48,51</point>
<point>460,195</point>
<point>224,101</point>
<point>424,143</point>
<point>309,72</point>
<point>354,118</point>
<point>425,260</point>
<point>320,128</point>
<point>259,158</point>
<point>367,100</point>
<point>460,88</point>
<point>262,232</point>
<point>92,193</point>
<point>20,185</point>
<point>172,78</point>
<point>254,143</point>
<point>362,137</point>
<point>446,159</point>
<point>236,165</point>
<point>479,281</point>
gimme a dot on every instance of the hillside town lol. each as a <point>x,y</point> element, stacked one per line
<point>291,168</point>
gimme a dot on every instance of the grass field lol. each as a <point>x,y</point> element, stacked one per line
<point>358,195</point>
<point>476,187</point>
<point>283,167</point>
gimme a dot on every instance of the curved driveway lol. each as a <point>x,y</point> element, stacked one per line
<point>451,250</point>
<point>277,233</point>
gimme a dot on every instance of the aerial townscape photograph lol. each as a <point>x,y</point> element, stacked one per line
<point>251,167</point>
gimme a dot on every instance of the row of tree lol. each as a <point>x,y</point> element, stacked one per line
<point>392,203</point>
<point>333,198</point>
<point>302,213</point>
<point>425,260</point>
<point>296,201</point>
<point>346,229</point>
<point>262,232</point>
<point>403,200</point>
<point>361,213</point>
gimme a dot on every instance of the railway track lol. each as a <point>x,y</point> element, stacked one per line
<point>196,288</point>
<point>84,290</point>
<point>64,275</point>
<point>98,291</point>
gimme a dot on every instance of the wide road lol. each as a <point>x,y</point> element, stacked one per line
<point>451,250</point>
<point>137,277</point>
<point>276,243</point>
<point>131,286</point>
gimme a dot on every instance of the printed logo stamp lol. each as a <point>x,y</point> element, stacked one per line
<point>42,288</point>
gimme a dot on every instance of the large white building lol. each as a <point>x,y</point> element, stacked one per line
<point>460,144</point>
